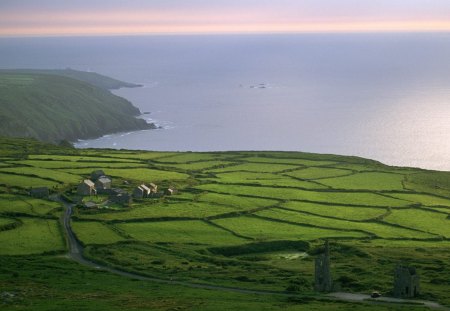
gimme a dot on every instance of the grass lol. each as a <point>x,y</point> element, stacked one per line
<point>436,223</point>
<point>261,208</point>
<point>77,158</point>
<point>53,107</point>
<point>238,203</point>
<point>164,210</point>
<point>265,179</point>
<point>378,229</point>
<point>132,155</point>
<point>256,167</point>
<point>25,182</point>
<point>367,180</point>
<point>196,166</point>
<point>180,232</point>
<point>95,233</point>
<point>6,221</point>
<point>11,203</point>
<point>263,230</point>
<point>424,199</point>
<point>293,161</point>
<point>49,283</point>
<point>318,172</point>
<point>343,212</point>
<point>66,166</point>
<point>429,181</point>
<point>190,157</point>
<point>34,236</point>
<point>43,173</point>
<point>351,198</point>
<point>143,174</point>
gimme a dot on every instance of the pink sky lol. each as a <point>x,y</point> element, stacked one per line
<point>101,17</point>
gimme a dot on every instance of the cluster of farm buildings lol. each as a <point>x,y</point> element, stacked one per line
<point>99,183</point>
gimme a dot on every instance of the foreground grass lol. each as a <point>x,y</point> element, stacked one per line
<point>34,235</point>
<point>253,220</point>
<point>52,283</point>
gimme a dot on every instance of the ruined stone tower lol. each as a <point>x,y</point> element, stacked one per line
<point>322,276</point>
<point>406,282</point>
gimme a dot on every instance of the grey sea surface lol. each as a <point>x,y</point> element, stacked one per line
<point>379,96</point>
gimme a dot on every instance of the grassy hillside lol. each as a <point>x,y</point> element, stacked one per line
<point>93,78</point>
<point>53,107</point>
<point>250,220</point>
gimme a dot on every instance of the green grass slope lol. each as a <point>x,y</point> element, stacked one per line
<point>249,220</point>
<point>93,78</point>
<point>53,107</point>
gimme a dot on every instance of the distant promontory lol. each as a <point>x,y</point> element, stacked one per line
<point>56,105</point>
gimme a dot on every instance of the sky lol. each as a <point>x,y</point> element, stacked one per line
<point>135,17</point>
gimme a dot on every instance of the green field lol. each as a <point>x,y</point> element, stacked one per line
<point>238,203</point>
<point>10,203</point>
<point>58,105</point>
<point>196,232</point>
<point>248,220</point>
<point>336,211</point>
<point>189,157</point>
<point>294,160</point>
<point>196,166</point>
<point>265,179</point>
<point>378,229</point>
<point>67,165</point>
<point>435,223</point>
<point>6,221</point>
<point>137,174</point>
<point>369,180</point>
<point>73,158</point>
<point>256,167</point>
<point>34,236</point>
<point>164,210</point>
<point>350,198</point>
<point>25,182</point>
<point>261,230</point>
<point>43,173</point>
<point>95,233</point>
<point>428,200</point>
<point>318,173</point>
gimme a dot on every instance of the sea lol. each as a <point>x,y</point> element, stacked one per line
<point>380,96</point>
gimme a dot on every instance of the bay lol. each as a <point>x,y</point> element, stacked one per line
<point>379,96</point>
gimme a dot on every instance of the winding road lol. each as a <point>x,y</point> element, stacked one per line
<point>76,254</point>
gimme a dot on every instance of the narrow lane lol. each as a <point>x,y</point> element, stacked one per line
<point>76,253</point>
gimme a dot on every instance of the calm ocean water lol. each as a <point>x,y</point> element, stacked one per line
<point>385,97</point>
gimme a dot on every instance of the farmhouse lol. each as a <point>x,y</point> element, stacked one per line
<point>120,196</point>
<point>95,175</point>
<point>406,282</point>
<point>153,188</point>
<point>170,191</point>
<point>141,191</point>
<point>87,187</point>
<point>40,192</point>
<point>103,184</point>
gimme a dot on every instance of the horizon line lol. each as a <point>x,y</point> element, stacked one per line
<point>244,33</point>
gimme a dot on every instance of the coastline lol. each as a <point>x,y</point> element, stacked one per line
<point>65,105</point>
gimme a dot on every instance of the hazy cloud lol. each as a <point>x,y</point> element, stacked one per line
<point>21,17</point>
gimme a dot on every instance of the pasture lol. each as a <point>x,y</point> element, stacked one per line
<point>33,236</point>
<point>238,217</point>
<point>194,232</point>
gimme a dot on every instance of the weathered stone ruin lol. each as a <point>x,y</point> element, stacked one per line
<point>406,282</point>
<point>322,277</point>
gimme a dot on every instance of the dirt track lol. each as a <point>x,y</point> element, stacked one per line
<point>76,253</point>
